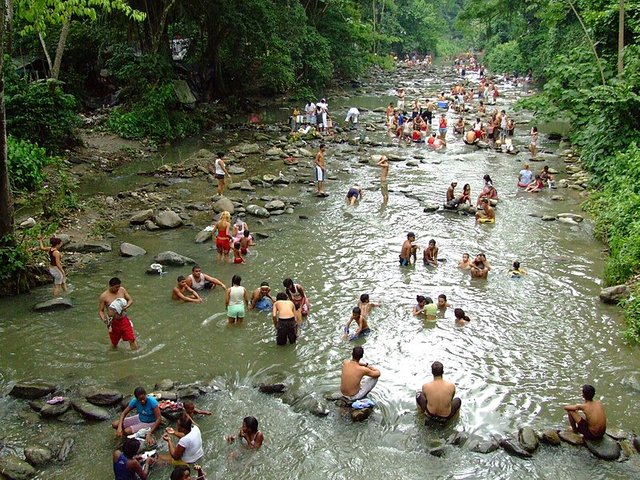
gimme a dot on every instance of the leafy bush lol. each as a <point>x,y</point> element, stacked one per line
<point>505,58</point>
<point>26,163</point>
<point>41,113</point>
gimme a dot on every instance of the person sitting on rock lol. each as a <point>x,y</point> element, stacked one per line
<point>437,398</point>
<point>351,385</point>
<point>148,416</point>
<point>125,466</point>
<point>182,291</point>
<point>592,422</point>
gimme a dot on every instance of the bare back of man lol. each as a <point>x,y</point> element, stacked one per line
<point>436,399</point>
<point>352,374</point>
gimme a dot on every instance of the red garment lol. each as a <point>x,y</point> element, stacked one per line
<point>223,244</point>
<point>237,260</point>
<point>121,330</point>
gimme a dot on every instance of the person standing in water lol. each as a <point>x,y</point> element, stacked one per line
<point>296,294</point>
<point>115,290</point>
<point>236,301</point>
<point>284,319</point>
<point>219,170</point>
<point>383,163</point>
<point>320,170</point>
<point>408,250</point>
<point>55,264</point>
<point>249,435</point>
<point>533,143</point>
<point>223,237</point>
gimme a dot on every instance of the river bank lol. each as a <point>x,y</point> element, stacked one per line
<point>515,365</point>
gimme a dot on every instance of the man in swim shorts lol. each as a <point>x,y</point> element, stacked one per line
<point>284,319</point>
<point>437,398</point>
<point>352,386</point>
<point>320,170</point>
<point>408,250</point>
<point>120,327</point>
<point>148,416</point>
<point>261,298</point>
<point>592,423</point>
<point>115,290</point>
<point>354,194</point>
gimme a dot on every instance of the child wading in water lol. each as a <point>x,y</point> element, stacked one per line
<point>237,253</point>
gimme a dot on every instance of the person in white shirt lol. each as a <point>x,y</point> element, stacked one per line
<point>310,111</point>
<point>352,116</point>
<point>189,448</point>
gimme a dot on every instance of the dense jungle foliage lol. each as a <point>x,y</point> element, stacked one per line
<point>572,48</point>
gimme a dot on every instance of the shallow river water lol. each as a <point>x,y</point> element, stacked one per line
<point>531,344</point>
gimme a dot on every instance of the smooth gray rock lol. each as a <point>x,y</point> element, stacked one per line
<point>528,439</point>
<point>431,206</point>
<point>548,218</point>
<point>245,186</point>
<point>28,223</point>
<point>140,217</point>
<point>272,388</point>
<point>203,236</point>
<point>165,395</point>
<point>274,205</point>
<point>512,447</point>
<point>168,219</point>
<point>103,397</point>
<point>573,216</point>
<point>65,449</point>
<point>273,152</point>
<point>438,451</point>
<point>234,170</point>
<point>613,295</point>
<point>38,455</point>
<point>606,448</point>
<point>551,437</point>
<point>89,411</point>
<point>131,250</point>
<point>37,404</point>
<point>188,392</point>
<point>87,247</point>
<point>248,148</point>
<point>14,468</point>
<point>173,259</point>
<point>55,410</point>
<point>165,384</point>
<point>60,303</point>
<point>258,211</point>
<point>571,438</point>
<point>32,389</point>
<point>223,204</point>
<point>483,446</point>
<point>151,226</point>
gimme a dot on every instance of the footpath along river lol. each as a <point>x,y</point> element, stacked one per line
<point>531,344</point>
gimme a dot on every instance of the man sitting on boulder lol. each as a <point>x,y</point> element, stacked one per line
<point>352,373</point>
<point>436,399</point>
<point>592,423</point>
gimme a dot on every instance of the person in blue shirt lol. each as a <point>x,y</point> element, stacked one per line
<point>147,416</point>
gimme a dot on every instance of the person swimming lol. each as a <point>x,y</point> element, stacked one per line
<point>461,317</point>
<point>515,271</point>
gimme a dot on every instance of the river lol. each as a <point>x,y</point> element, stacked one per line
<point>531,344</point>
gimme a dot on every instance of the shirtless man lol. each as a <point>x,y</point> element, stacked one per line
<point>430,256</point>
<point>408,250</point>
<point>437,398</point>
<point>480,266</point>
<point>285,319</point>
<point>115,290</point>
<point>201,281</point>
<point>383,163</point>
<point>320,170</point>
<point>488,213</point>
<point>351,384</point>
<point>361,322</point>
<point>365,305</point>
<point>592,423</point>
<point>184,292</point>
<point>451,192</point>
<point>261,298</point>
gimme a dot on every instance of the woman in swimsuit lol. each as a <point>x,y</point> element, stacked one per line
<point>488,190</point>
<point>55,264</point>
<point>223,238</point>
<point>297,296</point>
<point>461,317</point>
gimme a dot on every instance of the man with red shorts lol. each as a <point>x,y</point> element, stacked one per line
<point>120,327</point>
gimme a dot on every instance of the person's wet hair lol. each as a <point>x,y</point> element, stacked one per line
<point>185,422</point>
<point>428,300</point>
<point>251,423</point>
<point>236,245</point>
<point>139,391</point>
<point>356,310</point>
<point>220,154</point>
<point>420,299</point>
<point>442,296</point>
<point>247,233</point>
<point>196,267</point>
<point>178,472</point>
<point>54,241</point>
<point>460,315</point>
<point>131,448</point>
<point>516,265</point>
<point>287,282</point>
<point>181,278</point>
<point>264,284</point>
<point>364,298</point>
<point>114,281</point>
<point>236,279</point>
<point>282,296</point>
<point>437,369</point>
<point>432,242</point>
<point>588,392</point>
<point>411,235</point>
<point>357,353</point>
<point>188,405</point>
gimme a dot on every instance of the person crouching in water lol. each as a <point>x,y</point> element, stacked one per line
<point>361,321</point>
<point>284,319</point>
<point>354,194</point>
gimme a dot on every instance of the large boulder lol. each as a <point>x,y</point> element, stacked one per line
<point>551,437</point>
<point>14,468</point>
<point>173,259</point>
<point>571,437</point>
<point>605,448</point>
<point>103,398</point>
<point>528,439</point>
<point>614,294</point>
<point>431,206</point>
<point>87,247</point>
<point>56,409</point>
<point>131,250</point>
<point>165,384</point>
<point>38,455</point>
<point>512,447</point>
<point>140,217</point>
<point>275,205</point>
<point>59,303</point>
<point>273,152</point>
<point>248,148</point>
<point>258,211</point>
<point>223,204</point>
<point>89,411</point>
<point>32,389</point>
<point>203,236</point>
<point>168,219</point>
<point>234,170</point>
